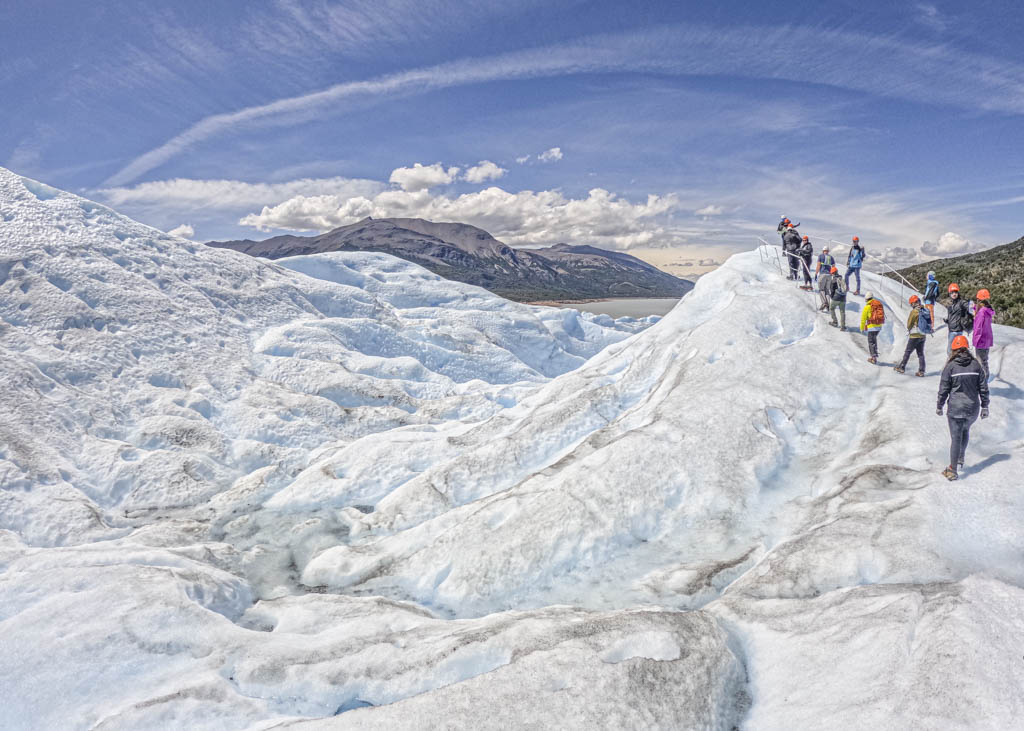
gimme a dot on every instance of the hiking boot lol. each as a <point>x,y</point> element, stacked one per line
<point>900,369</point>
<point>872,359</point>
<point>842,329</point>
<point>919,374</point>
<point>834,324</point>
<point>949,473</point>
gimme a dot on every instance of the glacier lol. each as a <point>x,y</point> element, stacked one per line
<point>338,491</point>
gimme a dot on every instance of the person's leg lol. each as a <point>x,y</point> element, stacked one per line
<point>846,278</point>
<point>949,340</point>
<point>931,312</point>
<point>982,354</point>
<point>919,346</point>
<point>807,272</point>
<point>906,353</point>
<point>857,270</point>
<point>873,343</point>
<point>966,430</point>
<point>842,314</point>
<point>956,433</point>
<point>832,312</point>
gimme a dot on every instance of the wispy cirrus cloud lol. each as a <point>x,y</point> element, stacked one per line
<point>189,193</point>
<point>880,65</point>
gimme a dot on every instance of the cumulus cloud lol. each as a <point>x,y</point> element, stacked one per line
<point>523,160</point>
<point>526,217</point>
<point>949,244</point>
<point>710,210</point>
<point>555,153</point>
<point>482,172</point>
<point>184,230</point>
<point>228,194</point>
<point>423,177</point>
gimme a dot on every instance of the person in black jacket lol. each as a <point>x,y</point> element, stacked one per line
<point>790,244</point>
<point>806,251</point>
<point>965,384</point>
<point>959,319</point>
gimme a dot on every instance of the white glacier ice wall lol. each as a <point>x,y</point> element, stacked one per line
<point>337,491</point>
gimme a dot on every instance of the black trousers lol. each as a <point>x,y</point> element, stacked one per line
<point>959,433</point>
<point>912,345</point>
<point>794,266</point>
<point>982,354</point>
<point>807,270</point>
<point>873,343</point>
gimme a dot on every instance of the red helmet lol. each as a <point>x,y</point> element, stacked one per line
<point>954,287</point>
<point>856,239</point>
<point>914,299</point>
<point>982,294</point>
<point>785,220</point>
<point>960,342</point>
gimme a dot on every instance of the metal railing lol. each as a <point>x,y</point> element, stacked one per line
<point>766,250</point>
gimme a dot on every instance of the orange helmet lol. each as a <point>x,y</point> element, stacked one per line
<point>833,270</point>
<point>914,299</point>
<point>805,238</point>
<point>960,342</point>
<point>983,294</point>
<point>954,287</point>
<point>856,239</point>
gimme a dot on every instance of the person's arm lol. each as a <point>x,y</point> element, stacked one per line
<point>982,386</point>
<point>864,316</point>
<point>912,319</point>
<point>946,384</point>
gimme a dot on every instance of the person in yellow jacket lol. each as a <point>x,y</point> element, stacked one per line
<point>872,317</point>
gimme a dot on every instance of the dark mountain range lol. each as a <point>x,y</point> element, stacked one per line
<point>1000,270</point>
<point>470,254</point>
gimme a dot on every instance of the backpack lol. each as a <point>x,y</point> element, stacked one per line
<point>924,321</point>
<point>840,288</point>
<point>876,316</point>
<point>931,292</point>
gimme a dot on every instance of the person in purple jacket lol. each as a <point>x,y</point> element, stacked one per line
<point>982,334</point>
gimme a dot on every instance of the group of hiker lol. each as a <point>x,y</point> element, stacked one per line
<point>963,386</point>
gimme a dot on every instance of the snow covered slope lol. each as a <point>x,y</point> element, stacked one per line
<point>241,495</point>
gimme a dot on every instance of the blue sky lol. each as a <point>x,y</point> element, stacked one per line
<point>626,125</point>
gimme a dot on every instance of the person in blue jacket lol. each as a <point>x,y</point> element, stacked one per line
<point>931,294</point>
<point>854,261</point>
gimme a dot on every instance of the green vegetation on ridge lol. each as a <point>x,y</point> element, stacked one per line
<point>999,270</point>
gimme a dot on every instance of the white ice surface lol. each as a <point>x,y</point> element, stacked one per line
<point>339,491</point>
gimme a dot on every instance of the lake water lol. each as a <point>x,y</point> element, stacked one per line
<point>628,307</point>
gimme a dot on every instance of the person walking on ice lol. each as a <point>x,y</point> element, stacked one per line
<point>931,294</point>
<point>982,335</point>
<point>958,316</point>
<point>918,326</point>
<point>837,295</point>
<point>825,262</point>
<point>806,251</point>
<point>854,262</point>
<point>872,317</point>
<point>825,289</point>
<point>965,386</point>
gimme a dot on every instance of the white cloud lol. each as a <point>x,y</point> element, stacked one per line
<point>523,160</point>
<point>950,244</point>
<point>929,15</point>
<point>423,177</point>
<point>229,194</point>
<point>184,230</point>
<point>710,210</point>
<point>484,171</point>
<point>526,217</point>
<point>555,153</point>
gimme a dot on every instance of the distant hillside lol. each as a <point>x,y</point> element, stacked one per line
<point>469,254</point>
<point>999,270</point>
